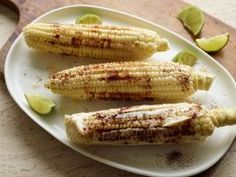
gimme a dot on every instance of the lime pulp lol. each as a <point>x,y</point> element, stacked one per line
<point>40,104</point>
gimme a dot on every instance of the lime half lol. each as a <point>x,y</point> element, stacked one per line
<point>192,18</point>
<point>213,44</point>
<point>89,19</point>
<point>40,104</point>
<point>186,58</point>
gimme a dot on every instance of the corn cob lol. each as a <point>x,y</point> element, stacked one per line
<point>165,81</point>
<point>147,124</point>
<point>96,41</point>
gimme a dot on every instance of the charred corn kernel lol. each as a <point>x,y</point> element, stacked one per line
<point>129,81</point>
<point>147,124</point>
<point>93,40</point>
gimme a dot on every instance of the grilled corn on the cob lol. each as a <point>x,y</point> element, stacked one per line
<point>147,124</point>
<point>96,41</point>
<point>166,81</point>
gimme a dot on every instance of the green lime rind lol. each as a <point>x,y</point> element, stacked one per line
<point>213,44</point>
<point>183,13</point>
<point>192,18</point>
<point>186,58</point>
<point>40,104</point>
<point>89,19</point>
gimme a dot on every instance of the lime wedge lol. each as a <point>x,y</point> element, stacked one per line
<point>192,18</point>
<point>89,19</point>
<point>183,13</point>
<point>213,44</point>
<point>40,104</point>
<point>186,58</point>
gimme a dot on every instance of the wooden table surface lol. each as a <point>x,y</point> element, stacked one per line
<point>28,150</point>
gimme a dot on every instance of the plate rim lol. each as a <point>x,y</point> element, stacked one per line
<point>88,154</point>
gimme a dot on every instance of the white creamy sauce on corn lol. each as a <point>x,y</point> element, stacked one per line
<point>78,119</point>
<point>169,113</point>
<point>169,123</point>
<point>166,116</point>
<point>142,114</point>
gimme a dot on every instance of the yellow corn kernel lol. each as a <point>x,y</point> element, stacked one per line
<point>96,41</point>
<point>166,81</point>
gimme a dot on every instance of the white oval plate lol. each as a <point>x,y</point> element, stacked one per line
<point>26,70</point>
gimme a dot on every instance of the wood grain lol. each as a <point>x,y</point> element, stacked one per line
<point>24,155</point>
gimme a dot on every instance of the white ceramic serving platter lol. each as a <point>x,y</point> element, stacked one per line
<point>27,70</point>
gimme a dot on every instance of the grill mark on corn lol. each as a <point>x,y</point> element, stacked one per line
<point>127,42</point>
<point>125,80</point>
<point>147,80</point>
<point>79,42</point>
<point>141,135</point>
<point>94,42</point>
<point>99,68</point>
<point>184,81</point>
<point>114,75</point>
<point>103,122</point>
<point>52,42</point>
<point>120,96</point>
<point>107,126</point>
<point>57,36</point>
<point>75,42</point>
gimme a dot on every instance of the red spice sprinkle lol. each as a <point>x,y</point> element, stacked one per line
<point>184,81</point>
<point>174,156</point>
<point>57,36</point>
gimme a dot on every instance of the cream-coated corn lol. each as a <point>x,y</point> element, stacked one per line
<point>147,124</point>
